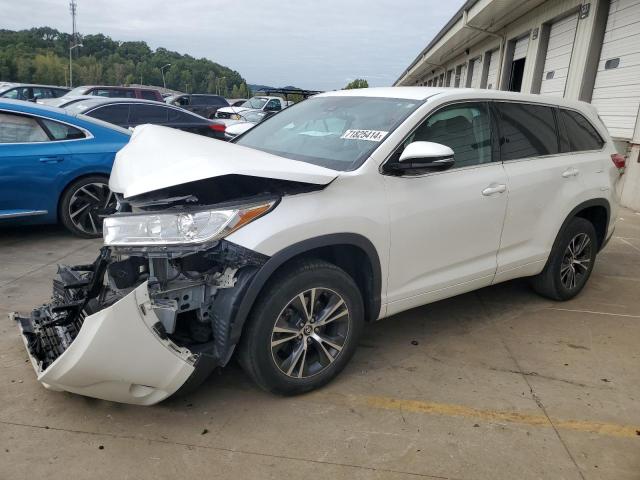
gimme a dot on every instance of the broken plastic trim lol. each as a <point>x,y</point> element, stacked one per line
<point>192,296</point>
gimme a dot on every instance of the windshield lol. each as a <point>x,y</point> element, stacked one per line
<point>75,92</point>
<point>333,132</point>
<point>254,102</point>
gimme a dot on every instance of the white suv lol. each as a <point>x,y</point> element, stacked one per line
<point>346,208</point>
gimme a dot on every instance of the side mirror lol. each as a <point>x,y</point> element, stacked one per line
<point>424,157</point>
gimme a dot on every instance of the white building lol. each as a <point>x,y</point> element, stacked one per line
<point>579,49</point>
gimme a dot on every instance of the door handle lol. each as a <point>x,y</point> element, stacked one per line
<point>570,172</point>
<point>51,159</point>
<point>493,189</point>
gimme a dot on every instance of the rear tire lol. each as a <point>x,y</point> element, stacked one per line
<point>303,329</point>
<point>570,263</point>
<point>84,204</point>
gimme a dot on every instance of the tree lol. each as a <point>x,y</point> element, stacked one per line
<point>357,83</point>
<point>41,55</point>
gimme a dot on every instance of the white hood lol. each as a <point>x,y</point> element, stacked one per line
<point>158,157</point>
<point>233,109</point>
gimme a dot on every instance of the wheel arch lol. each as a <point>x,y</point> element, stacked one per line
<point>349,251</point>
<point>334,248</point>
<point>598,212</point>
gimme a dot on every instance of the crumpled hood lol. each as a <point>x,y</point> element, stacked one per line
<point>234,109</point>
<point>159,157</point>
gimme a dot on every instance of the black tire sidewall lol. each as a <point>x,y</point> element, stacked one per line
<point>576,226</point>
<point>66,199</point>
<point>257,342</point>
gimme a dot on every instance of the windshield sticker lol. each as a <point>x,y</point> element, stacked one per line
<point>371,135</point>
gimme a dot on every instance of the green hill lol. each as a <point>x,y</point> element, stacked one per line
<point>41,55</point>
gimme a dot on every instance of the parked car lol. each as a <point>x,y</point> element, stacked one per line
<point>246,120</point>
<point>129,113</point>
<point>346,208</point>
<point>266,104</point>
<point>202,104</point>
<point>112,92</point>
<point>30,92</point>
<point>55,167</point>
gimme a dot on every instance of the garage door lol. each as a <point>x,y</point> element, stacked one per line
<point>520,50</point>
<point>461,76</point>
<point>556,65</point>
<point>492,71</point>
<point>616,93</point>
<point>475,72</point>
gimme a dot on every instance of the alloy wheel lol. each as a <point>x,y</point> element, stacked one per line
<point>88,206</point>
<point>576,261</point>
<point>310,332</point>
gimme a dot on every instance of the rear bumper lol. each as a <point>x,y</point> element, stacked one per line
<point>118,354</point>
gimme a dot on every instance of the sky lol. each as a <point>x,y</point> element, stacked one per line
<point>309,44</point>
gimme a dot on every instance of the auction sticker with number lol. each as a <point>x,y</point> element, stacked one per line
<point>371,135</point>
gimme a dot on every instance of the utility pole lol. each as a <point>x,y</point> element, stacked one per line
<point>73,8</point>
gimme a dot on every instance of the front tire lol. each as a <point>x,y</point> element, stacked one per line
<point>570,263</point>
<point>85,203</point>
<point>303,329</point>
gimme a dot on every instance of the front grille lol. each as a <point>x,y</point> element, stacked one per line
<point>223,115</point>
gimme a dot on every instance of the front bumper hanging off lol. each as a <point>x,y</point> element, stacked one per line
<point>117,355</point>
<point>135,329</point>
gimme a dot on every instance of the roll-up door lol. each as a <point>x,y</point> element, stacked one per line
<point>518,63</point>
<point>616,93</point>
<point>492,71</point>
<point>520,50</point>
<point>475,72</point>
<point>556,64</point>
<point>461,76</point>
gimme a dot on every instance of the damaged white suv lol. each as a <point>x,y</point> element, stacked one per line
<point>346,208</point>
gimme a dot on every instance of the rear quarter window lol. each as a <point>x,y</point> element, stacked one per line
<point>580,134</point>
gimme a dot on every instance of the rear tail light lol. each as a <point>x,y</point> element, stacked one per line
<point>217,127</point>
<point>619,160</point>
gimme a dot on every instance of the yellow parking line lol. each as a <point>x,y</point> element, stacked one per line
<point>493,416</point>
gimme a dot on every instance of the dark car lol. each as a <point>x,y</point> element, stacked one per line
<point>202,104</point>
<point>115,92</point>
<point>23,91</point>
<point>129,113</point>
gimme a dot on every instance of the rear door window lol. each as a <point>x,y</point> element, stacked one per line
<point>117,114</point>
<point>580,135</point>
<point>526,130</point>
<point>147,114</point>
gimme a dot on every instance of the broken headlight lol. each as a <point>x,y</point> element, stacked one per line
<point>178,228</point>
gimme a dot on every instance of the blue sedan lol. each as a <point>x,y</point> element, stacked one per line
<point>54,167</point>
